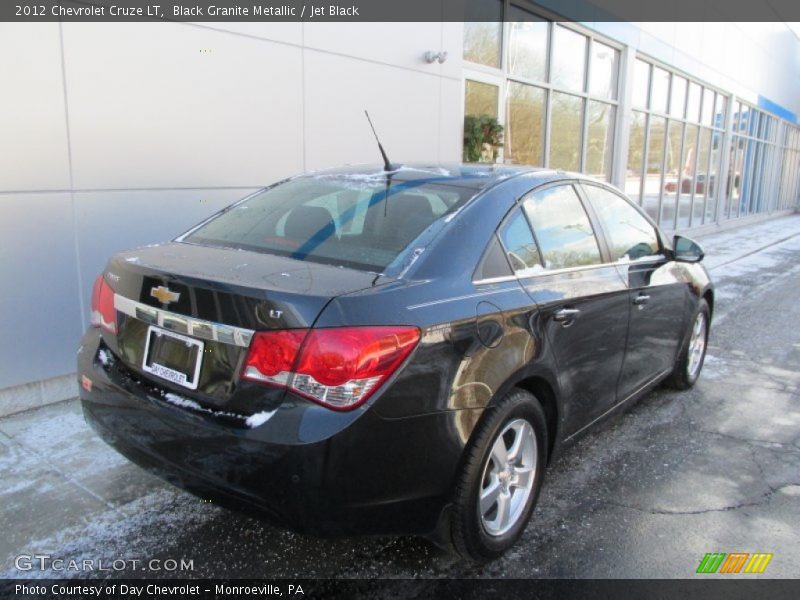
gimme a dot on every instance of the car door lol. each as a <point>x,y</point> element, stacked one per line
<point>582,302</point>
<point>657,294</point>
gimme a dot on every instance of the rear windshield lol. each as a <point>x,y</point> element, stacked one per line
<point>353,221</point>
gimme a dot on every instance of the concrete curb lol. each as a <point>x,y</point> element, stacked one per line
<point>38,393</point>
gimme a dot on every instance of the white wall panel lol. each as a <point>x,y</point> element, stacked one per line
<point>290,33</point>
<point>39,304</point>
<point>33,132</point>
<point>170,105</point>
<point>451,112</point>
<point>109,222</point>
<point>403,104</point>
<point>401,44</point>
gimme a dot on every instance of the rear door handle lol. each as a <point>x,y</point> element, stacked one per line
<point>566,314</point>
<point>641,299</point>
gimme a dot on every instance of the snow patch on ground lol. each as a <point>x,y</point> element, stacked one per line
<point>142,529</point>
<point>714,367</point>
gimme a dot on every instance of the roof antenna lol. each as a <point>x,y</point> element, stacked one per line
<point>387,166</point>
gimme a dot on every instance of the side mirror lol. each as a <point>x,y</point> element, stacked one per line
<point>687,250</point>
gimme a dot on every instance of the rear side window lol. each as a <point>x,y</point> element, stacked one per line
<point>493,263</point>
<point>563,230</point>
<point>355,221</point>
<point>630,235</point>
<point>520,247</point>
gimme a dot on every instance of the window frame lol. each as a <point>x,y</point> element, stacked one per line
<point>502,77</point>
<point>695,198</point>
<point>599,232</point>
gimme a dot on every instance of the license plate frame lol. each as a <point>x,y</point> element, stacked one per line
<point>155,340</point>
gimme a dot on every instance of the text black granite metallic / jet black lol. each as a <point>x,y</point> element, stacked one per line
<point>391,351</point>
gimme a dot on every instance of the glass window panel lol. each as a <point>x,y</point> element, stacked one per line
<point>677,103</point>
<point>672,172</point>
<point>641,83</point>
<point>566,124</point>
<point>693,102</point>
<point>714,178</point>
<point>633,175</point>
<point>482,43</point>
<point>630,236</point>
<point>520,245</point>
<point>303,218</point>
<point>660,92</point>
<point>655,164</point>
<point>600,140</point>
<point>483,32</point>
<point>569,59</point>
<point>527,45</point>
<point>749,149</point>
<point>703,182</point>
<point>480,99</point>
<point>524,136</point>
<point>690,185</point>
<point>690,157</point>
<point>494,262</point>
<point>565,235</point>
<point>604,71</point>
<point>753,120</point>
<point>708,106</point>
<point>735,178</point>
<point>719,112</point>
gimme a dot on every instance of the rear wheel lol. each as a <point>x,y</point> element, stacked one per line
<point>693,352</point>
<point>501,478</point>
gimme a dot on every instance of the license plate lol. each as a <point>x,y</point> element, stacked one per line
<point>173,357</point>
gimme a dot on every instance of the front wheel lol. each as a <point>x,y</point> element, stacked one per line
<point>693,352</point>
<point>501,478</point>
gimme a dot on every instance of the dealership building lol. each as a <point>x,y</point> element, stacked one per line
<point>115,135</point>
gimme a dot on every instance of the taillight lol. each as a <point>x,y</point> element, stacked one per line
<point>339,368</point>
<point>103,312</point>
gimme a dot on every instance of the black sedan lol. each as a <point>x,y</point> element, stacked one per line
<point>393,351</point>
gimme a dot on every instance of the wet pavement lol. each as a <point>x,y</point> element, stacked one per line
<point>647,494</point>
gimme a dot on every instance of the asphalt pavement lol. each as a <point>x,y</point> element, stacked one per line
<point>645,495</point>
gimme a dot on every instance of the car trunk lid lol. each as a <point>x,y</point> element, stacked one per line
<point>186,314</point>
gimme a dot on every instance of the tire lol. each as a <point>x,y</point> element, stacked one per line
<point>483,535</point>
<point>691,357</point>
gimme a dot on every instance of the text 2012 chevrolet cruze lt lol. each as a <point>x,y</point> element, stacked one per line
<point>391,351</point>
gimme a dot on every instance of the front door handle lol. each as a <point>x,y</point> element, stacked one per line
<point>641,299</point>
<point>566,315</point>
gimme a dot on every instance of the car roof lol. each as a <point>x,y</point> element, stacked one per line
<point>477,176</point>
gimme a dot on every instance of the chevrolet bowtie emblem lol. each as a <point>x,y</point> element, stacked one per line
<point>164,294</point>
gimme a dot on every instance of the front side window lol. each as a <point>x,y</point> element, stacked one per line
<point>353,221</point>
<point>563,230</point>
<point>630,235</point>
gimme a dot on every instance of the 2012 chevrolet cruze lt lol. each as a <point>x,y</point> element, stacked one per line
<point>391,351</point>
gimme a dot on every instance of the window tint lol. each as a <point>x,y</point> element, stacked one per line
<point>493,263</point>
<point>338,219</point>
<point>565,235</point>
<point>520,245</point>
<point>630,235</point>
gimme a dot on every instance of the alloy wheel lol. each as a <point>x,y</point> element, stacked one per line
<point>508,478</point>
<point>697,346</point>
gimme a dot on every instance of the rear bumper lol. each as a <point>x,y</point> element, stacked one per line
<point>307,468</point>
